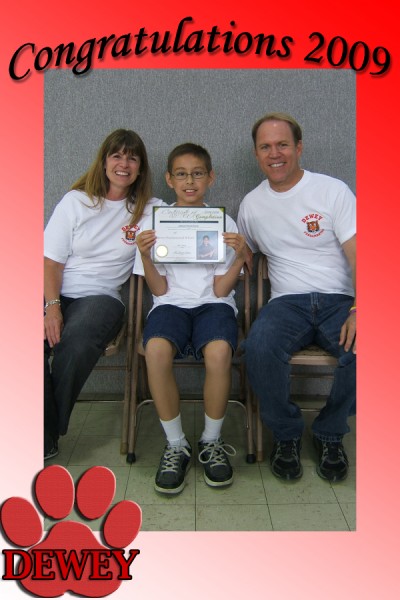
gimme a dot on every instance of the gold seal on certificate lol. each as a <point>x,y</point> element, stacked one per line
<point>161,251</point>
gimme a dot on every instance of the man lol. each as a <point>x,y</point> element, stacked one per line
<point>305,224</point>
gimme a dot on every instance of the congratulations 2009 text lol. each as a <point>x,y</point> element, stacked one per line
<point>335,52</point>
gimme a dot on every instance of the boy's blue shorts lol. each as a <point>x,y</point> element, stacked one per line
<point>190,329</point>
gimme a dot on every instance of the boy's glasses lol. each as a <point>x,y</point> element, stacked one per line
<point>181,175</point>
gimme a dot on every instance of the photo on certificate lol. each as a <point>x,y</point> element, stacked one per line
<point>207,248</point>
<point>189,234</point>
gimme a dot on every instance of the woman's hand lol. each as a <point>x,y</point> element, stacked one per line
<point>53,324</point>
<point>53,320</point>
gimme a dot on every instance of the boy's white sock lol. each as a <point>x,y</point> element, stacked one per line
<point>212,429</point>
<point>174,432</point>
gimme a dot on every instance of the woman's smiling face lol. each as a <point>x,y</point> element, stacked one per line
<point>122,170</point>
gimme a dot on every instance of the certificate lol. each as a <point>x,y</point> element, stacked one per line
<point>189,234</point>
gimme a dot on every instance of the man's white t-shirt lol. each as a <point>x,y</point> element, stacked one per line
<point>301,232</point>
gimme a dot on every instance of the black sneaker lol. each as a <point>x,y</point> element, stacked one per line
<point>333,462</point>
<point>170,477</point>
<point>52,452</point>
<point>214,458</point>
<point>285,459</point>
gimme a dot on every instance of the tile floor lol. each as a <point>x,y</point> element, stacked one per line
<point>256,501</point>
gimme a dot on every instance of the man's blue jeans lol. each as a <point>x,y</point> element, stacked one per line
<point>89,325</point>
<point>284,326</point>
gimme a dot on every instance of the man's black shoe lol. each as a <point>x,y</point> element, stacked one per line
<point>333,462</point>
<point>285,459</point>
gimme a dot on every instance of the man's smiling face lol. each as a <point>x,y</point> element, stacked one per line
<point>277,155</point>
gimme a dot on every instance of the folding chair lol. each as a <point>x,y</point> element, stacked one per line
<point>310,356</point>
<point>140,393</point>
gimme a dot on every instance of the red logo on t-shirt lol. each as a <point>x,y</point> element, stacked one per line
<point>312,222</point>
<point>130,234</point>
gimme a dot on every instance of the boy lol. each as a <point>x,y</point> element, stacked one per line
<point>193,309</point>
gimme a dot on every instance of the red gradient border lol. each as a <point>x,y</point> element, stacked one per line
<point>360,564</point>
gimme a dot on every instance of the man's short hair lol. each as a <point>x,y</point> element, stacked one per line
<point>279,116</point>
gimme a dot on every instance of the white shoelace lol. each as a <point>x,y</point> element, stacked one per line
<point>217,450</point>
<point>170,461</point>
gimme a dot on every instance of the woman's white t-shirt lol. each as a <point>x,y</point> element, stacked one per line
<point>97,245</point>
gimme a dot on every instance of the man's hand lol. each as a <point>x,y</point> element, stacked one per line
<point>348,333</point>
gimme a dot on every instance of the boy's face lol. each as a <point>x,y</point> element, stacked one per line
<point>190,180</point>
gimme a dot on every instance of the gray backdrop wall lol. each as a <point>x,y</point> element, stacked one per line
<point>215,108</point>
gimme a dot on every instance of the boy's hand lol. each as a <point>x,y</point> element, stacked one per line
<point>237,242</point>
<point>145,241</point>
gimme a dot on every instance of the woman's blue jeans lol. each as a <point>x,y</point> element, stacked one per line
<point>284,326</point>
<point>89,325</point>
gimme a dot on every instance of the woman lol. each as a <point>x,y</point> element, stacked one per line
<point>89,253</point>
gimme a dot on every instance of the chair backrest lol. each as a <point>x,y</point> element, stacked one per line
<point>311,355</point>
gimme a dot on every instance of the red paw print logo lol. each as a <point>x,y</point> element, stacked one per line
<point>70,558</point>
